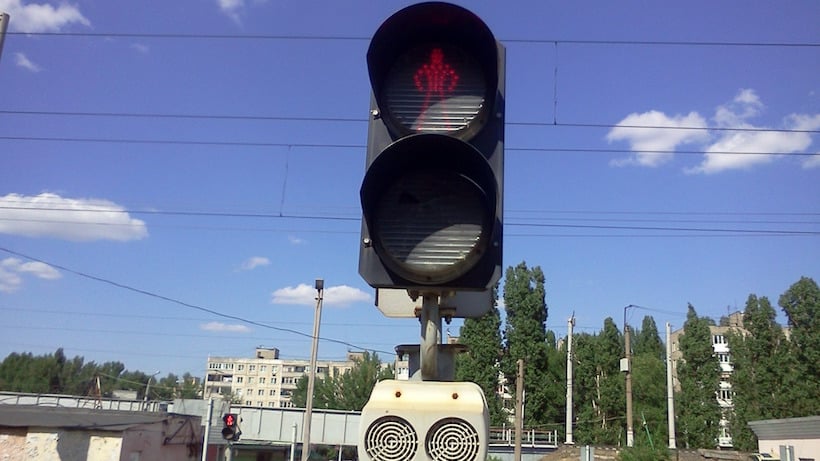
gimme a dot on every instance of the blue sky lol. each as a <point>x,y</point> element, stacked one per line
<point>165,162</point>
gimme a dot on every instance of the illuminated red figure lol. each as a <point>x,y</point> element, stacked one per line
<point>436,79</point>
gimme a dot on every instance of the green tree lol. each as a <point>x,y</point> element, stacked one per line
<point>647,340</point>
<point>480,364</point>
<point>698,413</point>
<point>760,367</point>
<point>600,397</point>
<point>801,303</point>
<point>525,338</point>
<point>347,391</point>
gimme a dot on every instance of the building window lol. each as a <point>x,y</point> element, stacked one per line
<point>274,369</point>
<point>229,366</point>
<point>250,379</point>
<point>251,367</point>
<point>273,392</point>
<point>724,357</point>
<point>273,380</point>
<point>240,367</point>
<point>263,368</point>
<point>272,404</point>
<point>260,392</point>
<point>248,403</point>
<point>239,379</point>
<point>261,380</point>
<point>719,339</point>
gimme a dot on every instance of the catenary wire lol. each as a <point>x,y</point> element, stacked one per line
<point>548,41</point>
<point>183,303</point>
<point>587,150</point>
<point>286,118</point>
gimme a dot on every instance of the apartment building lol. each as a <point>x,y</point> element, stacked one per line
<point>265,380</point>
<point>720,346</point>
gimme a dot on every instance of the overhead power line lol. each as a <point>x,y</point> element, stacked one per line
<point>183,303</point>
<point>190,142</point>
<point>546,41</point>
<point>287,118</point>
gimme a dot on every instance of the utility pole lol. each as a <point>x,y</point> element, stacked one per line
<point>670,390</point>
<point>519,409</point>
<point>317,319</point>
<point>630,435</point>
<point>570,324</point>
<point>4,24</point>
<point>207,429</point>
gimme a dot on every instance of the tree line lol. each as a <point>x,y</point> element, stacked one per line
<point>775,369</point>
<point>57,374</point>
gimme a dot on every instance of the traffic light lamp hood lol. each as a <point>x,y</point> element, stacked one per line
<point>437,49</point>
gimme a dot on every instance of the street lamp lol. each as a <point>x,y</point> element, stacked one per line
<point>148,389</point>
<point>320,288</point>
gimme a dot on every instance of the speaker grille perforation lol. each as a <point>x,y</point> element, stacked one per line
<point>452,439</point>
<point>391,438</point>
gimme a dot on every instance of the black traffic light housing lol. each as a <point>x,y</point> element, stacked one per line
<point>230,429</point>
<point>432,194</point>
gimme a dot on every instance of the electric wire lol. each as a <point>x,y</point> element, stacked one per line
<point>190,142</point>
<point>289,118</point>
<point>183,303</point>
<point>547,41</point>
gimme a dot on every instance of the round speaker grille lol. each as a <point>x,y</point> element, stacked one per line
<point>452,439</point>
<point>391,438</point>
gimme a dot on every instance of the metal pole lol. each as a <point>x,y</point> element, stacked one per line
<point>630,435</point>
<point>519,409</point>
<point>670,390</point>
<point>570,324</point>
<point>320,286</point>
<point>4,24</point>
<point>293,444</point>
<point>430,338</point>
<point>207,429</point>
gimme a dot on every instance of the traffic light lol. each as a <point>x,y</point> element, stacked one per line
<point>432,194</point>
<point>231,431</point>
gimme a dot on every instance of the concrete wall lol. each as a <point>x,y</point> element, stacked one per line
<point>58,445</point>
<point>803,448</point>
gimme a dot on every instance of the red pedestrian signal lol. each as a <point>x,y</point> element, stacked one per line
<point>231,431</point>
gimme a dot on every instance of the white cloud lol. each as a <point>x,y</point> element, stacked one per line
<point>647,141</point>
<point>41,17</point>
<point>254,262</point>
<point>304,294</point>
<point>140,48</point>
<point>296,240</point>
<point>727,152</point>
<point>23,61</point>
<point>740,144</point>
<point>224,327</point>
<point>12,268</point>
<point>231,8</point>
<point>812,162</point>
<point>50,215</point>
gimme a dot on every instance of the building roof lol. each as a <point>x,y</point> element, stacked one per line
<point>791,428</point>
<point>74,418</point>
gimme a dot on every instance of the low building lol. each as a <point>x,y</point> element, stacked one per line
<point>790,439</point>
<point>46,433</point>
<point>265,380</point>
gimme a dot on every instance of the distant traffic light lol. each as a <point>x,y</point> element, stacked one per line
<point>432,194</point>
<point>231,431</point>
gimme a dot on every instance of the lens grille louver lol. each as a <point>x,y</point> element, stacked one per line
<point>433,226</point>
<point>391,438</point>
<point>435,88</point>
<point>452,439</point>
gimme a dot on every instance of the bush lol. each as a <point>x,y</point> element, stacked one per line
<point>644,453</point>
